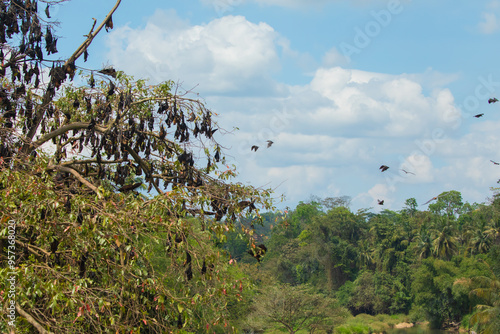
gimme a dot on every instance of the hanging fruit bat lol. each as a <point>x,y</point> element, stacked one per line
<point>111,89</point>
<point>129,187</point>
<point>108,71</point>
<point>258,252</point>
<point>109,23</point>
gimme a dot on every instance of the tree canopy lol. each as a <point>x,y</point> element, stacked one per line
<point>115,189</point>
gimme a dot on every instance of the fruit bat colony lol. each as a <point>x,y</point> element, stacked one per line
<point>107,133</point>
<point>121,139</point>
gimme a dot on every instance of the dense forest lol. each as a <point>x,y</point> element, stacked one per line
<point>119,214</point>
<point>439,265</point>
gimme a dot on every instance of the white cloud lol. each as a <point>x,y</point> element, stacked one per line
<point>334,58</point>
<point>374,104</point>
<point>489,23</point>
<point>370,198</point>
<point>418,167</point>
<point>330,135</point>
<point>335,132</point>
<point>229,54</point>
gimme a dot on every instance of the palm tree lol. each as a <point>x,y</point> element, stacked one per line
<point>479,242</point>
<point>487,316</point>
<point>493,230</point>
<point>365,255</point>
<point>424,244</point>
<point>445,244</point>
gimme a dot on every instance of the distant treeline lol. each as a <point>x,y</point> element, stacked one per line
<point>436,264</point>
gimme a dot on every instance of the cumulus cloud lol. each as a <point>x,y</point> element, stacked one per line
<point>355,102</point>
<point>416,168</point>
<point>489,20</point>
<point>370,198</point>
<point>341,127</point>
<point>334,58</point>
<point>331,134</point>
<point>229,54</point>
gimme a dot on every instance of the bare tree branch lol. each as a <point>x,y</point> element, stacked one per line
<point>78,176</point>
<point>90,36</point>
<point>67,128</point>
<point>31,320</point>
<point>46,100</point>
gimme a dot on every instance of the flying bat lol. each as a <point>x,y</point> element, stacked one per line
<point>436,197</point>
<point>380,202</point>
<point>496,163</point>
<point>478,115</point>
<point>383,168</point>
<point>407,172</point>
<point>493,100</point>
<point>254,148</point>
<point>432,199</point>
<point>269,143</point>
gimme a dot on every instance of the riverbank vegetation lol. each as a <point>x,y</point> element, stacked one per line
<point>439,265</point>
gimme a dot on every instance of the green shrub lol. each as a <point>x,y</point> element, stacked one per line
<point>353,329</point>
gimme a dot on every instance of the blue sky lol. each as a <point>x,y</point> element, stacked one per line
<point>341,87</point>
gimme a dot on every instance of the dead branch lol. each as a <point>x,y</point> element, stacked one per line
<point>46,99</point>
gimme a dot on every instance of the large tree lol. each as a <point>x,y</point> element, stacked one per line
<point>294,308</point>
<point>111,193</point>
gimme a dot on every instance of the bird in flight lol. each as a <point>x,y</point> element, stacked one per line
<point>269,143</point>
<point>407,172</point>
<point>432,199</point>
<point>254,148</point>
<point>436,197</point>
<point>383,168</point>
<point>380,202</point>
<point>478,115</point>
<point>496,163</point>
<point>493,100</point>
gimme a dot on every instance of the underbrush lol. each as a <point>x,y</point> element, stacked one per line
<point>366,324</point>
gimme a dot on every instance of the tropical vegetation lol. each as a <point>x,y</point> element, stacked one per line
<point>119,214</point>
